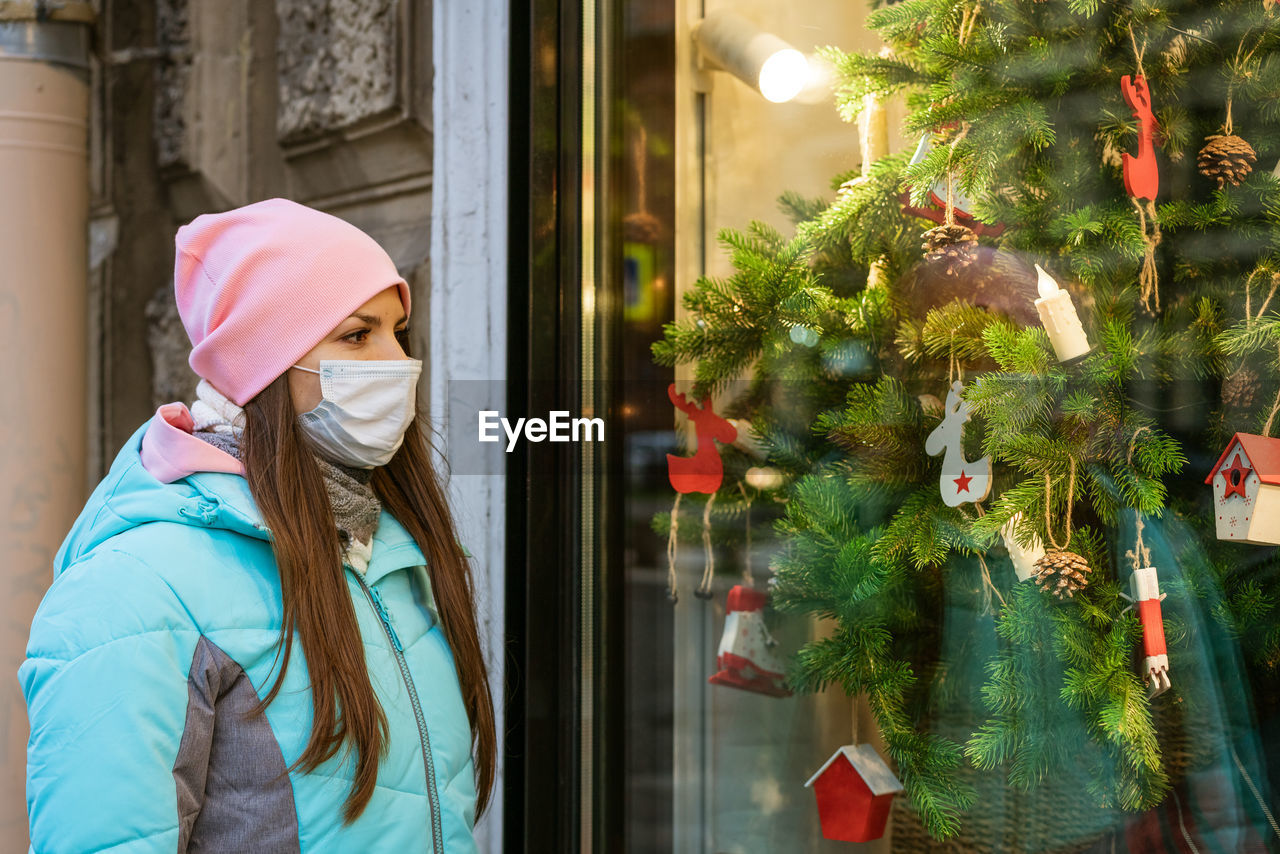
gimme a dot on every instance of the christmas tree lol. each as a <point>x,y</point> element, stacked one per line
<point>1113,145</point>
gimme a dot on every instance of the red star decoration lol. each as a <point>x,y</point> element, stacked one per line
<point>962,482</point>
<point>1235,485</point>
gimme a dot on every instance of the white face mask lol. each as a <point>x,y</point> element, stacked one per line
<point>366,407</point>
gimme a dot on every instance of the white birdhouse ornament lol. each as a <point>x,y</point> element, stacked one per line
<point>1246,490</point>
<point>961,481</point>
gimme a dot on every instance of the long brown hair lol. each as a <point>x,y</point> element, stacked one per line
<point>290,493</point>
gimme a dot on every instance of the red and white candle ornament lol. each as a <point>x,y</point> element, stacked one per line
<point>1146,598</point>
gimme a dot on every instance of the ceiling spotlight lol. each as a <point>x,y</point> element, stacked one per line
<point>763,61</point>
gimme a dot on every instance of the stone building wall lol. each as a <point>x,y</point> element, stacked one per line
<point>205,105</point>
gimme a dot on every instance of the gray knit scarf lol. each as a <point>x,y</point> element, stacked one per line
<point>355,506</point>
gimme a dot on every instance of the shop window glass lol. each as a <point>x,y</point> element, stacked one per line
<point>949,391</point>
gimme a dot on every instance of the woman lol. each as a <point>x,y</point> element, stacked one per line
<point>261,634</point>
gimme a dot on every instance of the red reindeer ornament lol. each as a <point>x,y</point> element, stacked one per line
<point>1141,177</point>
<point>703,472</point>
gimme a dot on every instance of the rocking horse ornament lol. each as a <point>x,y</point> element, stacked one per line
<point>961,482</point>
<point>703,472</point>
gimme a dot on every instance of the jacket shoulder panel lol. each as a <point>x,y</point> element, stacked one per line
<point>233,790</point>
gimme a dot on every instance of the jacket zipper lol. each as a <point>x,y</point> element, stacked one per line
<point>375,600</point>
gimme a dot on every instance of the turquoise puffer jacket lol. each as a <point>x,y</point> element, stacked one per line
<point>159,629</point>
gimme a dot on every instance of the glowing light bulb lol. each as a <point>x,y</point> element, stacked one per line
<point>783,75</point>
<point>763,477</point>
<point>728,41</point>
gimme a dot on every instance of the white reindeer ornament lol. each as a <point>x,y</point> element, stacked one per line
<point>961,481</point>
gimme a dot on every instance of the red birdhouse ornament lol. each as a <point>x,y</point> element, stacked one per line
<point>1246,490</point>
<point>855,789</point>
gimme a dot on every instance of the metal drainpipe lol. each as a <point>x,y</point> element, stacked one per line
<point>44,207</point>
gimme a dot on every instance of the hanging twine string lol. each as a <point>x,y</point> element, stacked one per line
<point>1138,52</point>
<point>640,152</point>
<point>988,586</point>
<point>1235,68</point>
<point>1148,282</point>
<point>1275,407</point>
<point>1275,283</point>
<point>671,550</point>
<point>950,209</point>
<point>1140,554</point>
<point>704,587</point>
<point>1148,278</point>
<point>1071,494</point>
<point>747,576</point>
<point>951,359</point>
<point>1249,315</point>
<point>967,22</point>
<point>1251,318</point>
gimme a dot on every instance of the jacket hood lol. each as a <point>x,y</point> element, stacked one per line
<point>131,495</point>
<point>162,475</point>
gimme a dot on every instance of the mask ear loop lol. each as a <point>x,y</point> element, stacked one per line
<point>309,370</point>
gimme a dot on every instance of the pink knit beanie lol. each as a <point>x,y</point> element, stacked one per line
<point>261,285</point>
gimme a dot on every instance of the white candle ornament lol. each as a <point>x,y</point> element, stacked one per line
<point>1058,314</point>
<point>1023,557</point>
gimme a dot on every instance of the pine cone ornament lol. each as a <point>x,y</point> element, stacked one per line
<point>1227,158</point>
<point>1061,572</point>
<point>1241,389</point>
<point>953,246</point>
